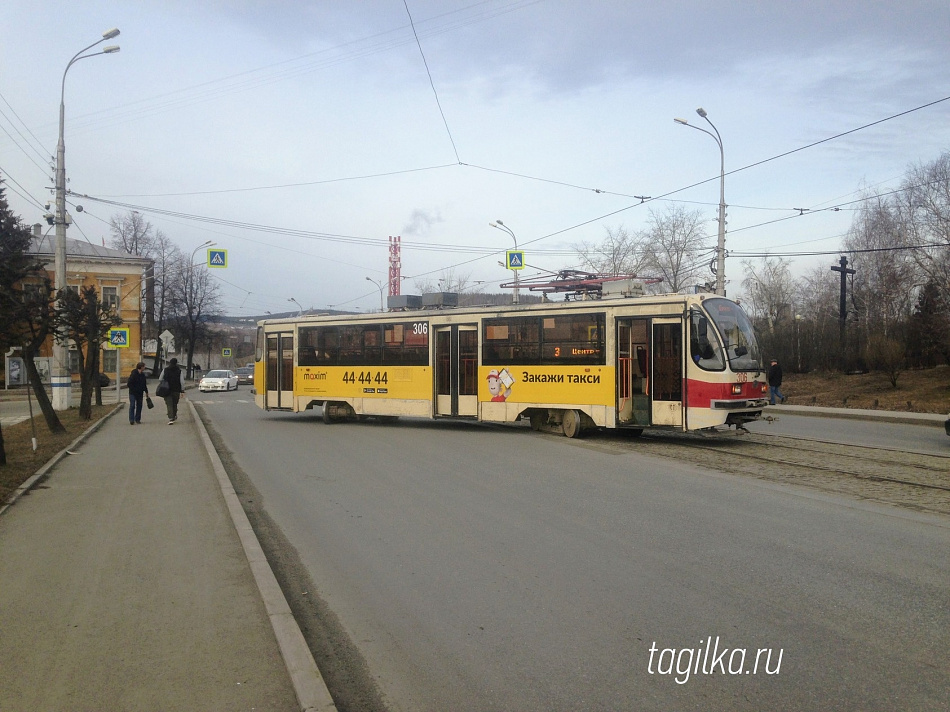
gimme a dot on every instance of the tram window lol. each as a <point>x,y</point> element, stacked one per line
<point>406,344</point>
<point>364,345</point>
<point>511,341</point>
<point>574,339</point>
<point>308,353</point>
<point>704,348</point>
<point>577,339</point>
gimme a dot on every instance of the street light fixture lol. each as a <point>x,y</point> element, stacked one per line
<point>499,225</point>
<point>61,380</point>
<point>379,286</point>
<point>194,252</point>
<point>300,308</point>
<point>721,246</point>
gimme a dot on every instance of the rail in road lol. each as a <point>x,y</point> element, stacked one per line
<point>915,480</point>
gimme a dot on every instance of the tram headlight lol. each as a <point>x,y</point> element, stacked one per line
<point>736,389</point>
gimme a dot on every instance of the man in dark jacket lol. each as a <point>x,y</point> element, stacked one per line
<point>176,389</point>
<point>138,387</point>
<point>775,381</point>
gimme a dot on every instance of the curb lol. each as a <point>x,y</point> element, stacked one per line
<point>309,686</point>
<point>884,416</point>
<point>43,472</point>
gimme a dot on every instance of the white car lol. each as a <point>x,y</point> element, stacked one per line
<point>218,381</point>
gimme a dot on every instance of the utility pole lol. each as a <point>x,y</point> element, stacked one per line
<point>843,308</point>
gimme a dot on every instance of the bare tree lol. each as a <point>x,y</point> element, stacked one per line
<point>886,278</point>
<point>447,281</point>
<point>923,212</point>
<point>195,302</point>
<point>132,233</point>
<point>619,253</point>
<point>675,240</point>
<point>168,259</point>
<point>817,330</point>
<point>86,321</point>
<point>770,290</point>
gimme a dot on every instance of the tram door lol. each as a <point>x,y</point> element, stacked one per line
<point>633,367</point>
<point>667,381</point>
<point>456,370</point>
<point>279,371</point>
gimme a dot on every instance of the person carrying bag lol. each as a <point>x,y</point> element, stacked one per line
<point>138,387</point>
<point>173,386</point>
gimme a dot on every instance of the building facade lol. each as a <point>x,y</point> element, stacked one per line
<point>119,279</point>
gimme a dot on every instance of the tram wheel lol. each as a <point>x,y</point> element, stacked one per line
<point>571,424</point>
<point>327,415</point>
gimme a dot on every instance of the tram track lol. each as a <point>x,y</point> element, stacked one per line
<point>918,481</point>
<point>826,468</point>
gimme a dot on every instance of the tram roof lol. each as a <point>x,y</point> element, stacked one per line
<point>492,310</point>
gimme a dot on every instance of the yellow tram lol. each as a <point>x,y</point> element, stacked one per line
<point>675,361</point>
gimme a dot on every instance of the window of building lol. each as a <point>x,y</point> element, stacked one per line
<point>110,297</point>
<point>109,360</point>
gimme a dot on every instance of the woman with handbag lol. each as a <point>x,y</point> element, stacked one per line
<point>138,389</point>
<point>171,388</point>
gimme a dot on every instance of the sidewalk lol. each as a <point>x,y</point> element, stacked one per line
<point>130,582</point>
<point>887,416</point>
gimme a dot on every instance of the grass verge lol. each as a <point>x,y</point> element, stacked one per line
<point>917,391</point>
<point>22,462</point>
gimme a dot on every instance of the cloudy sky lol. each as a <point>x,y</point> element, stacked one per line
<point>300,135</point>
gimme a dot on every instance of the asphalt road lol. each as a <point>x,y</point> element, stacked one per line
<point>479,568</point>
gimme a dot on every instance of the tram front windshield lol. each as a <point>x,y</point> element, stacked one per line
<point>738,337</point>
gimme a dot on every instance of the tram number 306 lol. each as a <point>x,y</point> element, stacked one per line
<point>365,377</point>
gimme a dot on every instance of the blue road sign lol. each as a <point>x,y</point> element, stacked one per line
<point>217,258</point>
<point>514,259</point>
<point>119,338</point>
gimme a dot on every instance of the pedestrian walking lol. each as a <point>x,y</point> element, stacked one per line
<point>172,378</point>
<point>775,382</point>
<point>138,389</point>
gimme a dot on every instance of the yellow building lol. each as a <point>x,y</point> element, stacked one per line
<point>118,277</point>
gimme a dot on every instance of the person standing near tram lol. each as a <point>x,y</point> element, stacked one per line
<point>775,382</point>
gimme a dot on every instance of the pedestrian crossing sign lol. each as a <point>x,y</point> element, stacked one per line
<point>226,353</point>
<point>217,258</point>
<point>514,259</point>
<point>119,338</point>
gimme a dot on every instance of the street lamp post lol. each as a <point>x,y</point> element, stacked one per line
<point>190,295</point>
<point>499,225</point>
<point>721,246</point>
<point>60,379</point>
<point>379,286</point>
<point>299,308</point>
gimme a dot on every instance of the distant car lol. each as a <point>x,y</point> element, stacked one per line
<point>218,381</point>
<point>245,375</point>
<point>104,380</point>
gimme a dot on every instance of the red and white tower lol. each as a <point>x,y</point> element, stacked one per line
<point>395,265</point>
